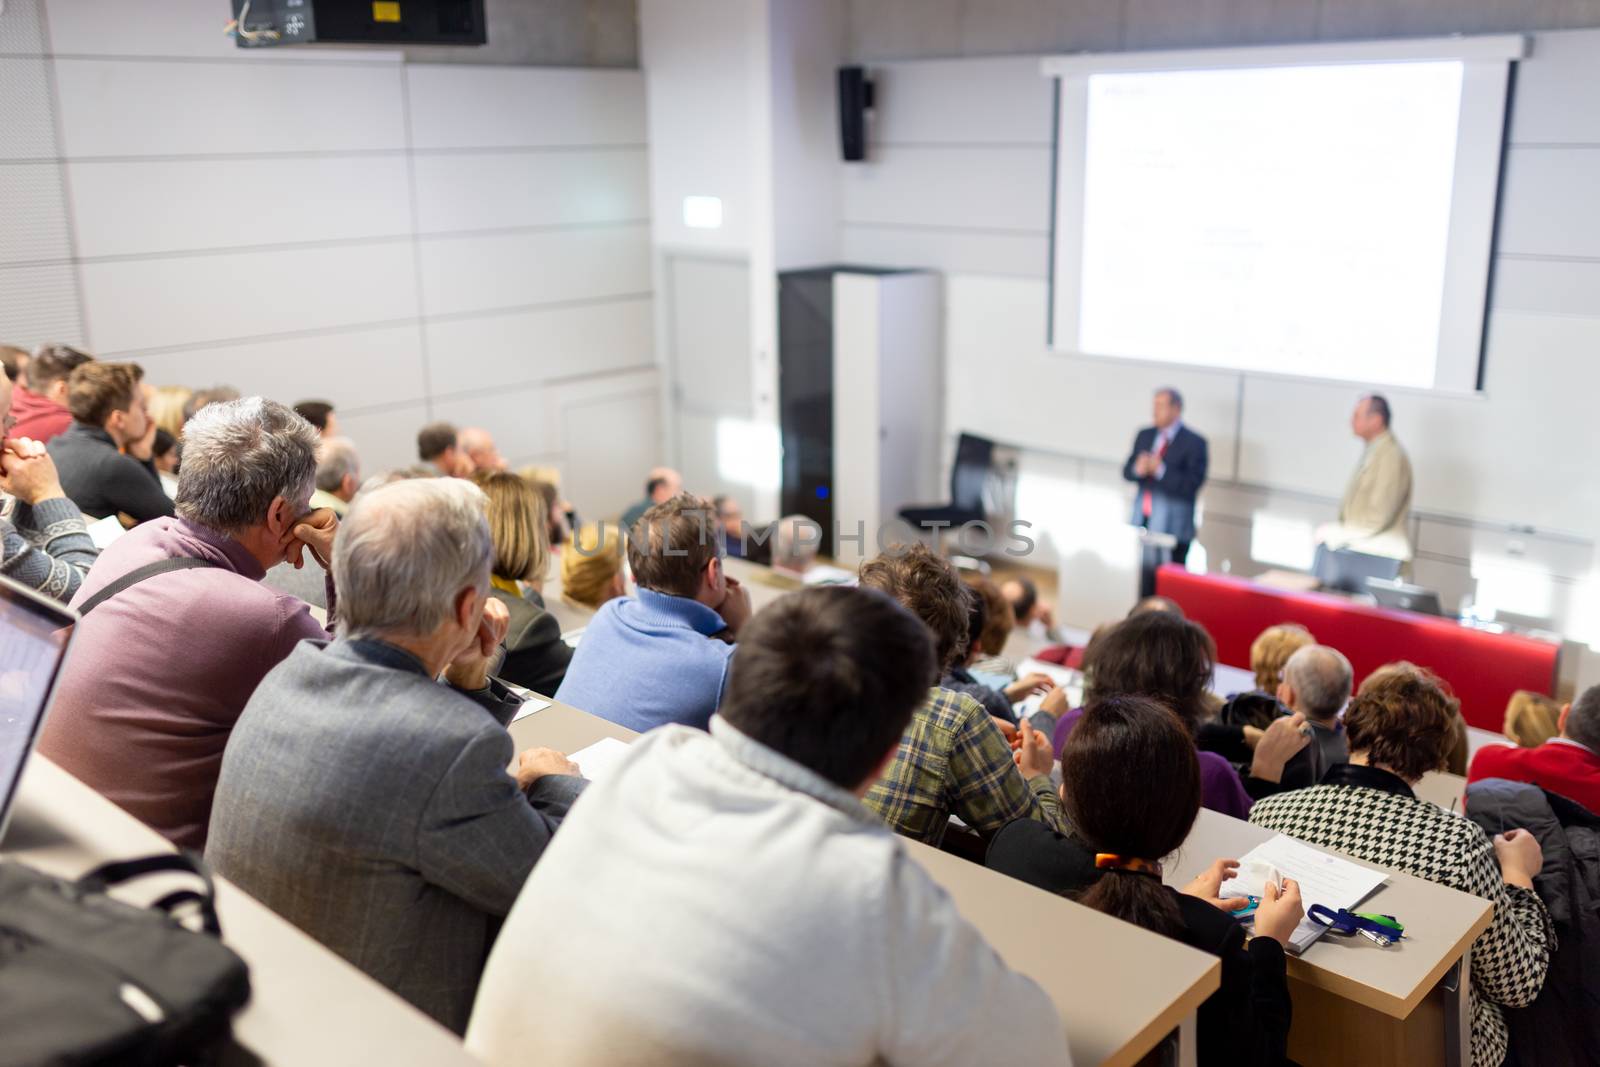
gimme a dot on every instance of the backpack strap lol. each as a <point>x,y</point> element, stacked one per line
<point>118,872</point>
<point>139,574</point>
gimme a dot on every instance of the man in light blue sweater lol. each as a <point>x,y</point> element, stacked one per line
<point>662,656</point>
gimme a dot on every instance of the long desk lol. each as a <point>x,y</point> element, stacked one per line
<point>1354,1001</point>
<point>307,1005</point>
<point>1484,668</point>
<point>1119,989</point>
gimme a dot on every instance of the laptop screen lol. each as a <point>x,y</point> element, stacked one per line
<point>30,658</point>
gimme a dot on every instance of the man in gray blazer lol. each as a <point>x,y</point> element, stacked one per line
<point>370,804</point>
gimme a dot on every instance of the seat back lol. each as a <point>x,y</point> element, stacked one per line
<point>974,456</point>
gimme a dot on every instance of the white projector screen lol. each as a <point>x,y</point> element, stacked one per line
<point>1325,211</point>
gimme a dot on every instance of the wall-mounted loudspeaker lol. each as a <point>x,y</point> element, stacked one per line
<point>855,100</point>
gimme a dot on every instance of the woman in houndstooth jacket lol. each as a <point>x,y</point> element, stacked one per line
<point>1399,727</point>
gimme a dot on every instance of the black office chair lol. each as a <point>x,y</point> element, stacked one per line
<point>973,458</point>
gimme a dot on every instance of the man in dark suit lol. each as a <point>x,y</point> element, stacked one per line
<point>1168,462</point>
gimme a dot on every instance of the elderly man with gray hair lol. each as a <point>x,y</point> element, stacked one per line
<point>177,626</point>
<point>366,801</point>
<point>338,475</point>
<point>1316,682</point>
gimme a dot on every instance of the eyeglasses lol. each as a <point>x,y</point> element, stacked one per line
<point>1384,930</point>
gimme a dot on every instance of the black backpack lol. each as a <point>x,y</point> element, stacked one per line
<point>86,979</point>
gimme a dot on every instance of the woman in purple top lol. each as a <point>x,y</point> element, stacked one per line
<point>1170,660</point>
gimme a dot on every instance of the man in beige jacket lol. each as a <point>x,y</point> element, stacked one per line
<point>1377,502</point>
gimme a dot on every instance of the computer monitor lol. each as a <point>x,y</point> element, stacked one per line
<point>1347,571</point>
<point>36,632</point>
<point>1405,597</point>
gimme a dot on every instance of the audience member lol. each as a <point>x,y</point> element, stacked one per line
<point>365,801</point>
<point>959,678</point>
<point>998,621</point>
<point>1271,650</point>
<point>217,394</point>
<point>557,529</point>
<point>164,458</point>
<point>591,572</point>
<point>1532,718</point>
<point>40,402</point>
<point>1316,683</point>
<point>320,414</point>
<point>43,543</point>
<point>663,484</point>
<point>437,445</point>
<point>800,932</point>
<point>953,759</point>
<point>796,540</point>
<point>1148,604</point>
<point>104,457</point>
<point>662,656</point>
<point>1170,660</point>
<point>163,662</point>
<point>14,361</point>
<point>479,446</point>
<point>1399,725</point>
<point>166,408</point>
<point>730,516</point>
<point>338,474</point>
<point>1036,617</point>
<point>1567,764</point>
<point>1130,785</point>
<point>536,657</point>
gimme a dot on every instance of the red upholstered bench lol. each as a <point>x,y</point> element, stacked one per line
<point>1483,668</point>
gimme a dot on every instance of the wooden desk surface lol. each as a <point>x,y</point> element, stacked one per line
<point>1441,923</point>
<point>1120,990</point>
<point>306,1006</point>
<point>1446,790</point>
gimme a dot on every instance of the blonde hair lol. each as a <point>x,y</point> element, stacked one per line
<point>517,526</point>
<point>1271,650</point>
<point>1532,718</point>
<point>591,563</point>
<point>166,407</point>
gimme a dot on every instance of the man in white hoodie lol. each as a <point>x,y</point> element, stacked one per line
<point>725,898</point>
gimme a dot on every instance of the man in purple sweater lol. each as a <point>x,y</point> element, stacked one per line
<point>161,668</point>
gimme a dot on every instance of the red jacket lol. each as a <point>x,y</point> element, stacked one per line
<point>1559,766</point>
<point>37,417</point>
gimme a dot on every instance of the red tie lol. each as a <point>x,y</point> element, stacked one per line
<point>1161,452</point>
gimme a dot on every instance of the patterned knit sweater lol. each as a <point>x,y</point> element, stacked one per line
<point>45,546</point>
<point>1372,815</point>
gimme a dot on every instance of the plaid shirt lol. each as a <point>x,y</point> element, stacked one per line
<point>954,759</point>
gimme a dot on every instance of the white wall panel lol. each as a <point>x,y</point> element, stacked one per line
<point>996,188</point>
<point>1561,71</point>
<point>610,442</point>
<point>1552,286</point>
<point>155,206</point>
<point>1539,201</point>
<point>28,131</point>
<point>39,304</point>
<point>21,29</point>
<point>354,370</point>
<point>1023,255</point>
<point>132,108</point>
<point>157,303</point>
<point>499,190</point>
<point>385,437</point>
<point>1003,383</point>
<point>457,106</point>
<point>709,320</point>
<point>480,273</point>
<point>33,215</point>
<point>540,345</point>
<point>1004,100</point>
<point>182,28</point>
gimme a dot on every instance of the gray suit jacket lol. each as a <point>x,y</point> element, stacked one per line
<point>370,805</point>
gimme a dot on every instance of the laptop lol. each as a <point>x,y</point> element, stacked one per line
<point>36,632</point>
<point>1405,597</point>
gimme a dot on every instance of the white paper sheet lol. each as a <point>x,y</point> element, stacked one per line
<point>1062,676</point>
<point>530,703</point>
<point>1324,879</point>
<point>598,759</point>
<point>104,531</point>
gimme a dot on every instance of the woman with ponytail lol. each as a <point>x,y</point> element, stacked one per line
<point>1131,792</point>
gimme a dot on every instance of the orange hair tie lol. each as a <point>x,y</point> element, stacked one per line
<point>1112,861</point>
